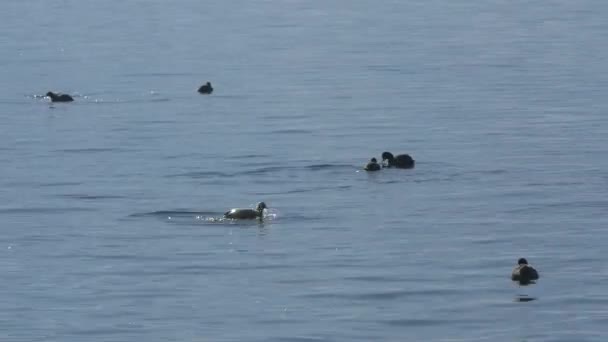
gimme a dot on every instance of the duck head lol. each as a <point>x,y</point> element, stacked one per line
<point>388,157</point>
<point>260,207</point>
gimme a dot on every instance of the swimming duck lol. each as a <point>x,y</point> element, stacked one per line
<point>401,161</point>
<point>524,273</point>
<point>58,97</point>
<point>206,88</point>
<point>246,214</point>
<point>372,165</point>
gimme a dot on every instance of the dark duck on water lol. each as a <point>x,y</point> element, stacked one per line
<point>245,213</point>
<point>206,88</point>
<point>372,165</point>
<point>401,161</point>
<point>59,97</point>
<point>524,273</point>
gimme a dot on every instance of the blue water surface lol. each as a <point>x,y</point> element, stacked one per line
<point>109,205</point>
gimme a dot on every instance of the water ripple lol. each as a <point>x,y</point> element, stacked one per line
<point>264,170</point>
<point>91,150</point>
<point>90,197</point>
<point>382,295</point>
<point>175,213</point>
<point>43,210</point>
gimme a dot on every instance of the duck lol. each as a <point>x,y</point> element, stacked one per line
<point>401,161</point>
<point>524,273</point>
<point>59,97</point>
<point>372,165</point>
<point>246,214</point>
<point>206,88</point>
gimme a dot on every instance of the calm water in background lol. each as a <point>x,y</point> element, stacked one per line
<point>106,204</point>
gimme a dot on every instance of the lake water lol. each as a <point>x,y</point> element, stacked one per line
<point>108,204</point>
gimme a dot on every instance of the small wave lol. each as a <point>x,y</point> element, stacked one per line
<point>567,205</point>
<point>295,338</point>
<point>271,213</point>
<point>313,167</point>
<point>102,332</point>
<point>291,131</point>
<point>486,241</point>
<point>42,210</point>
<point>291,117</point>
<point>249,156</point>
<point>384,68</point>
<point>90,197</point>
<point>156,74</point>
<point>201,174</point>
<point>102,101</point>
<point>154,122</point>
<point>198,269</point>
<point>54,184</point>
<point>13,102</point>
<point>89,150</point>
<point>173,213</point>
<point>375,279</point>
<point>415,322</point>
<point>383,295</point>
<point>320,167</point>
<point>492,172</point>
<point>304,190</point>
<point>263,171</point>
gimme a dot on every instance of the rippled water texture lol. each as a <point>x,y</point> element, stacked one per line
<point>111,206</point>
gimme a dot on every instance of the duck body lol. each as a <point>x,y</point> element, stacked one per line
<point>372,165</point>
<point>246,213</point>
<point>524,273</point>
<point>206,88</point>
<point>401,161</point>
<point>241,214</point>
<point>59,97</point>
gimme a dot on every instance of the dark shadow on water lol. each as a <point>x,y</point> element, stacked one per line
<point>524,298</point>
<point>521,285</point>
<point>290,131</point>
<point>415,322</point>
<point>90,197</point>
<point>59,184</point>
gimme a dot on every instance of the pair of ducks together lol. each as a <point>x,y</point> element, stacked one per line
<point>59,97</point>
<point>401,161</point>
